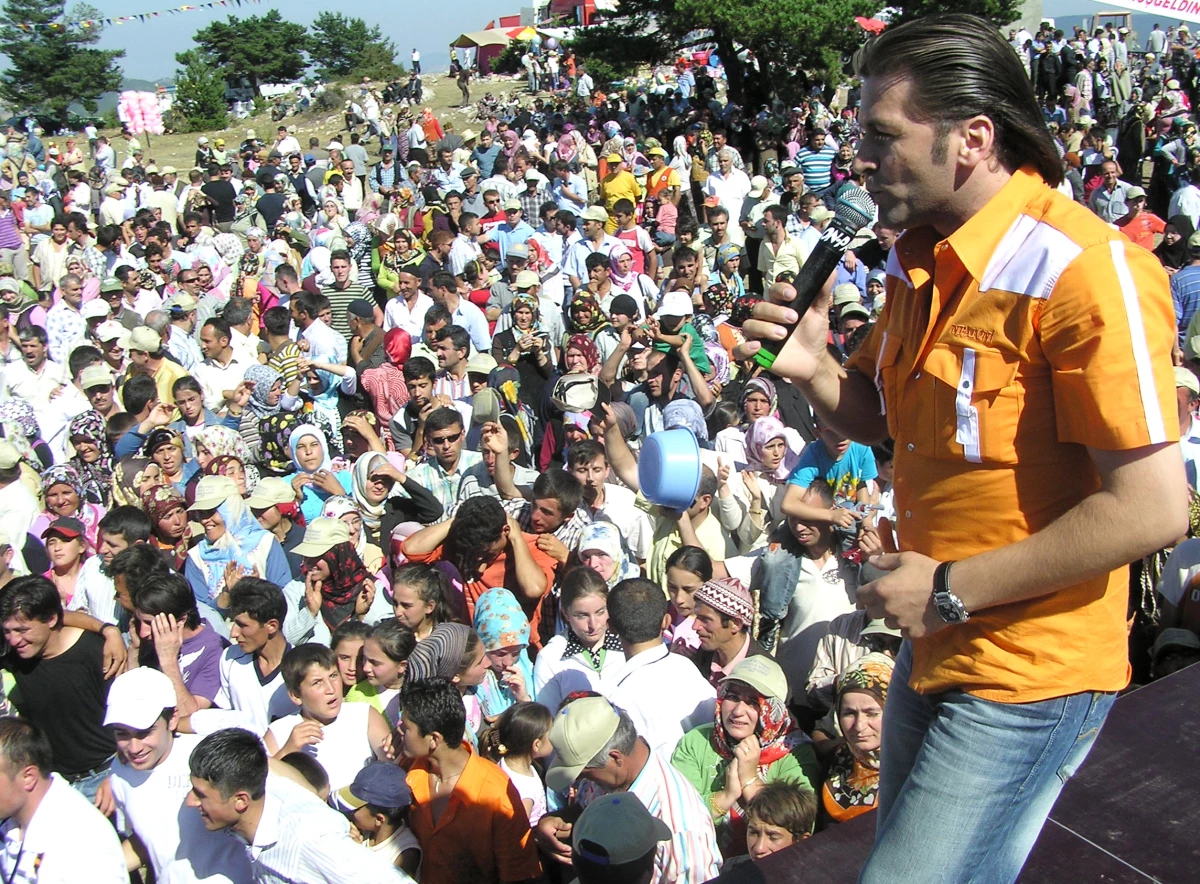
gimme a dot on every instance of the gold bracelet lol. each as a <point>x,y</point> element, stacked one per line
<point>716,809</point>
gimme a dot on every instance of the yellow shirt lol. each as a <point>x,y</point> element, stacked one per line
<point>619,186</point>
<point>1031,333</point>
<point>165,377</point>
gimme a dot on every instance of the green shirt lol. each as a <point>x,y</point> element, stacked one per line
<point>704,767</point>
<point>698,353</point>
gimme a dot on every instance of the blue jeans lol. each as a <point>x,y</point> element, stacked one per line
<point>966,784</point>
<point>88,785</point>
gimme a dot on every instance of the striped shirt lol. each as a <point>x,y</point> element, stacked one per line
<point>444,486</point>
<point>1185,292</point>
<point>816,166</point>
<point>340,299</point>
<point>692,855</point>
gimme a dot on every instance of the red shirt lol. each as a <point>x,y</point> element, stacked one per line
<point>1140,229</point>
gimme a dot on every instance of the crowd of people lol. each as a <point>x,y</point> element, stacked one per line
<point>323,519</point>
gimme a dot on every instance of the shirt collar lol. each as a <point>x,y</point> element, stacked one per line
<point>267,832</point>
<point>976,241</point>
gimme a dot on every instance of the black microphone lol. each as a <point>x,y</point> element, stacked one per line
<point>853,211</point>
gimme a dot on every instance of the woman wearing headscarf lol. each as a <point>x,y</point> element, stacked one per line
<point>750,742</point>
<point>602,548</point>
<point>852,782</point>
<point>526,347</point>
<point>374,480</point>
<point>332,565</point>
<point>588,319</point>
<point>358,243</point>
<point>504,629</point>
<point>165,447</point>
<point>770,461</point>
<point>234,544</point>
<point>14,410</point>
<point>64,496</point>
<point>276,430</point>
<point>633,157</point>
<point>627,281</point>
<point>133,476</point>
<point>93,459</point>
<point>759,397</point>
<point>346,511</point>
<point>170,533</point>
<point>1172,252</point>
<point>385,384</point>
<point>263,402</point>
<point>315,271</point>
<point>313,478</point>
<point>331,216</point>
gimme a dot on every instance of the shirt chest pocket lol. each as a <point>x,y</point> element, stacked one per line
<point>976,403</point>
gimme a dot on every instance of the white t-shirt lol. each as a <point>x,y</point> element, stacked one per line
<point>396,843</point>
<point>555,676</point>
<point>245,700</point>
<point>94,592</point>
<point>633,523</point>
<point>821,594</point>
<point>66,842</point>
<point>150,804</point>
<point>344,748</point>
<point>528,786</point>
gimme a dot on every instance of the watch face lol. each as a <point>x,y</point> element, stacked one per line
<point>949,611</point>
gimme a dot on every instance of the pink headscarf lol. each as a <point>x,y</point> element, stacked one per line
<point>762,431</point>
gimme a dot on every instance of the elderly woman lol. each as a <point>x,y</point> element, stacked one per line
<point>133,476</point>
<point>170,533</point>
<point>751,742</point>
<point>526,347</point>
<point>165,447</point>
<point>332,217</point>
<point>346,511</point>
<point>586,655</point>
<point>234,544</point>
<point>93,459</point>
<point>602,549</point>
<point>852,782</point>
<point>65,497</point>
<point>264,401</point>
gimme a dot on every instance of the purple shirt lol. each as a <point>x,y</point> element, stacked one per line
<point>9,237</point>
<point>200,663</point>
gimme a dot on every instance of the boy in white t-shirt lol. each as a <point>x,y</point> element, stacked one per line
<point>343,737</point>
<point>149,787</point>
<point>377,803</point>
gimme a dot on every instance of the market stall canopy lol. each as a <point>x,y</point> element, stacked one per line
<point>493,37</point>
<point>870,25</point>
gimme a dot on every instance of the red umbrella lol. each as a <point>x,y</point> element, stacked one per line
<point>870,25</point>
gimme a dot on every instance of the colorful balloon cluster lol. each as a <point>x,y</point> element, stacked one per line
<point>139,112</point>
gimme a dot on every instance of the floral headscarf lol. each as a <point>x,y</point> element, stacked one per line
<point>229,247</point>
<point>21,413</point>
<point>595,320</point>
<point>220,440</point>
<point>587,347</point>
<point>529,302</point>
<point>97,477</point>
<point>853,783</point>
<point>347,573</point>
<point>127,480</point>
<point>762,431</point>
<point>264,378</point>
<point>764,386</point>
<point>64,475</point>
<point>686,413</point>
<point>159,502</point>
<point>501,623</point>
<point>606,537</point>
<point>276,432</point>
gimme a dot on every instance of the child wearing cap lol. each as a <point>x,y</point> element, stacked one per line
<point>377,803</point>
<point>341,736</point>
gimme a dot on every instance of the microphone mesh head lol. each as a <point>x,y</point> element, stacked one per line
<point>854,208</point>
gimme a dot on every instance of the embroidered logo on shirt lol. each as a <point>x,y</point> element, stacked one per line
<point>983,336</point>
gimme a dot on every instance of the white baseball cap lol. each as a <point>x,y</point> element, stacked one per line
<point>138,697</point>
<point>675,304</point>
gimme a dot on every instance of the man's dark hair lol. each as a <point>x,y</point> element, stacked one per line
<point>437,313</point>
<point>189,217</point>
<point>108,235</point>
<point>563,487</point>
<point>129,522</point>
<point>277,320</point>
<point>777,212</point>
<point>33,597</point>
<point>478,524</point>
<point>78,220</point>
<point>568,219</point>
<point>958,66</point>
<point>309,768</point>
<point>444,279</point>
<point>24,744</point>
<point>708,483</point>
<point>465,218</point>
<point>821,488</point>
<point>306,303</point>
<point>434,705</point>
<point>34,333</point>
<point>288,272</point>
<point>233,760</point>
<point>341,255</point>
<point>597,259</point>
<point>140,564</point>
<point>419,367</point>
<point>166,594</point>
<point>584,452</point>
<point>623,207</point>
<point>636,608</point>
<point>261,599</point>
<point>237,311</point>
<point>81,358</point>
<point>220,326</point>
<point>122,272</point>
<point>442,419</point>
<point>137,391</point>
<point>458,336</point>
<point>297,660</point>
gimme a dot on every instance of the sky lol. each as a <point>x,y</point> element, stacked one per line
<point>150,47</point>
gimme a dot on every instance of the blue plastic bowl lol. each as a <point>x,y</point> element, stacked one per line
<point>669,468</point>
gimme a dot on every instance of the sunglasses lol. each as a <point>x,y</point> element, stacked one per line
<point>446,440</point>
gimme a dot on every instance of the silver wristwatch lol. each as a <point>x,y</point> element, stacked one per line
<point>949,606</point>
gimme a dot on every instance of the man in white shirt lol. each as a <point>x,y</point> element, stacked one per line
<point>289,835</point>
<point>664,693</point>
<point>1186,201</point>
<point>407,309</point>
<point>141,301</point>
<point>151,781</point>
<point>37,376</point>
<point>286,142</point>
<point>609,502</point>
<point>112,207</point>
<point>465,248</point>
<point>728,184</point>
<point>222,369</point>
<point>51,832</point>
<point>594,240</point>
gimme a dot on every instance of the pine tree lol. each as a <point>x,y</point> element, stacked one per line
<point>200,94</point>
<point>263,49</point>
<point>51,68</point>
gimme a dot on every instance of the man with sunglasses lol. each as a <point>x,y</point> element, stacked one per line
<point>444,468</point>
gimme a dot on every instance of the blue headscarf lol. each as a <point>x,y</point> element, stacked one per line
<point>688,414</point>
<point>606,537</point>
<point>242,536</point>
<point>501,623</point>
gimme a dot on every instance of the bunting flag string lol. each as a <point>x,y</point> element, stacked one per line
<point>142,17</point>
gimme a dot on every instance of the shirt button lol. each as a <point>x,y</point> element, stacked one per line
<point>911,446</point>
<point>917,376</point>
<point>908,514</point>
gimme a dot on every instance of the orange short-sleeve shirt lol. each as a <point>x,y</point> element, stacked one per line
<point>1005,351</point>
<point>482,836</point>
